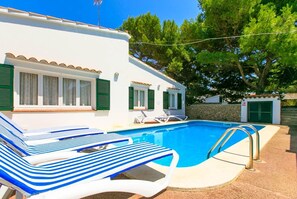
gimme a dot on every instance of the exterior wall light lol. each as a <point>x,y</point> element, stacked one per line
<point>116,76</point>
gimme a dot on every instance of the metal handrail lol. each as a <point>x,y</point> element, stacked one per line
<point>219,141</point>
<point>226,140</point>
<point>233,130</point>
<point>257,155</point>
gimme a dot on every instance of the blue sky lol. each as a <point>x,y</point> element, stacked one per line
<point>112,12</point>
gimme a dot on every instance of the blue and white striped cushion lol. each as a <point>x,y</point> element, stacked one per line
<point>13,140</point>
<point>74,144</point>
<point>98,165</point>
<point>7,123</point>
<point>18,131</point>
<point>65,134</point>
<point>48,133</point>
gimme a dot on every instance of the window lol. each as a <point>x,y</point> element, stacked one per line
<point>85,93</point>
<point>69,92</point>
<point>172,100</point>
<point>139,99</point>
<point>28,89</point>
<point>50,90</point>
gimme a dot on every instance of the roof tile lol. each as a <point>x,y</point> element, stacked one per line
<point>52,63</point>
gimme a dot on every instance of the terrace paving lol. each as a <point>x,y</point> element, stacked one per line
<point>275,176</point>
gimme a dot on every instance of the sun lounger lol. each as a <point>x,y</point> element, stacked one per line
<point>167,118</point>
<point>61,149</point>
<point>86,175</point>
<point>53,137</point>
<point>144,118</point>
<point>47,134</point>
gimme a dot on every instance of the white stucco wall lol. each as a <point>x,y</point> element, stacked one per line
<point>276,108</point>
<point>92,48</point>
<point>62,43</point>
<point>160,83</point>
<point>213,99</point>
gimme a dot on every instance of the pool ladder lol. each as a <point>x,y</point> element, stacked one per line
<point>230,132</point>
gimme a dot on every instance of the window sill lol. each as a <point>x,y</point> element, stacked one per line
<point>140,109</point>
<point>54,109</point>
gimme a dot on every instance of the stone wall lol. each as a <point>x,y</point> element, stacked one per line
<point>218,112</point>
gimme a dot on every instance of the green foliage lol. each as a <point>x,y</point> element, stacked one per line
<point>227,18</point>
<point>232,47</point>
<point>289,103</point>
<point>291,88</point>
<point>271,54</point>
<point>283,79</point>
<point>217,58</point>
<point>267,22</point>
<point>145,28</point>
<point>255,55</point>
<point>280,4</point>
<point>177,61</point>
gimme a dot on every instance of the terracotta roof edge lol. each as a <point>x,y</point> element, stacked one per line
<point>52,63</point>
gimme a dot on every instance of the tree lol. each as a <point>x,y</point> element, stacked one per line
<point>256,55</point>
<point>271,52</point>
<point>233,47</point>
<point>160,49</point>
<point>144,29</point>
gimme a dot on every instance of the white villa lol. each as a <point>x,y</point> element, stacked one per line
<point>56,72</point>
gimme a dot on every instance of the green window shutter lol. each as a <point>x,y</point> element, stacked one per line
<point>102,94</point>
<point>165,100</point>
<point>6,87</point>
<point>131,98</point>
<point>151,99</point>
<point>179,101</point>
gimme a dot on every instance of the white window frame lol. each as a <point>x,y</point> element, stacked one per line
<point>174,93</point>
<point>40,73</point>
<point>141,88</point>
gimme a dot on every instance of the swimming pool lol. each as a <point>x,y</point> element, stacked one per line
<point>191,140</point>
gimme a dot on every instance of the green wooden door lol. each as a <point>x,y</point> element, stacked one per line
<point>260,112</point>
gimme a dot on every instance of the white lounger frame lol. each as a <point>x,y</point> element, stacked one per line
<point>140,187</point>
<point>91,186</point>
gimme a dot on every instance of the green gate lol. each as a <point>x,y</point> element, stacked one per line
<point>260,112</point>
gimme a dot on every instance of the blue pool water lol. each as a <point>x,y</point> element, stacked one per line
<point>191,140</point>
